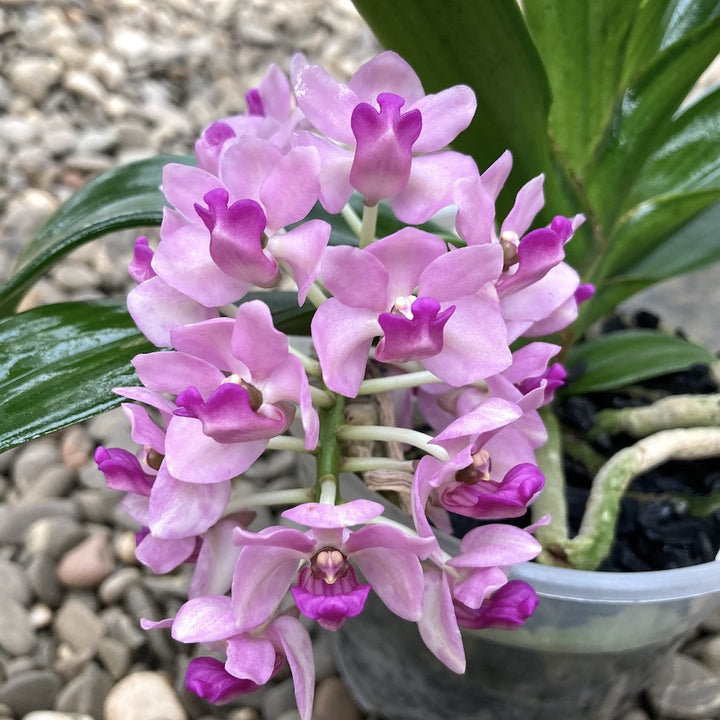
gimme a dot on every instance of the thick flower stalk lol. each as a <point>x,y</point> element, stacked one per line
<point>415,382</point>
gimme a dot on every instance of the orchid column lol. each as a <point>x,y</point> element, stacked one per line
<point>416,324</point>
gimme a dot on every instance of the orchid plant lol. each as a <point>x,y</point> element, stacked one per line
<point>441,300</point>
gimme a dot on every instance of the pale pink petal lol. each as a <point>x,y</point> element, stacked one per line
<point>317,515</point>
<point>205,619</point>
<point>296,644</point>
<point>444,116</point>
<point>528,203</point>
<point>495,545</point>
<point>430,185</point>
<point>495,176</point>
<point>250,658</point>
<point>342,337</point>
<point>169,502</point>
<point>342,262</point>
<point>262,577</point>
<point>143,430</point>
<point>438,626</point>
<point>161,555</point>
<point>397,578</point>
<point>194,457</point>
<point>386,72</point>
<point>156,308</point>
<point>256,342</point>
<point>209,342</point>
<point>184,185</point>
<point>245,164</point>
<point>291,188</point>
<point>173,372</point>
<point>475,221</point>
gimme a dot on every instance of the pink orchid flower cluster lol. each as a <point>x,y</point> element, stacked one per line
<point>425,323</point>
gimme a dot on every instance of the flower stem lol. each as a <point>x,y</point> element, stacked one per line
<point>364,464</point>
<point>311,366</point>
<point>286,442</point>
<point>396,382</point>
<point>352,219</point>
<point>328,453</point>
<point>292,496</point>
<point>383,433</point>
<point>369,223</point>
<point>315,295</point>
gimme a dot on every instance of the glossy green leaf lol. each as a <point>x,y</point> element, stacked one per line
<point>621,358</point>
<point>647,227</point>
<point>125,197</point>
<point>688,159</point>
<point>59,363</point>
<point>642,114</point>
<point>582,45</point>
<point>694,246</point>
<point>485,45</point>
<point>659,24</point>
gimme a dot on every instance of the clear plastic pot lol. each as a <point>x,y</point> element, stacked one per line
<point>592,644</point>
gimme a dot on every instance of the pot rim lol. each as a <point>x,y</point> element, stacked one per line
<point>620,587</point>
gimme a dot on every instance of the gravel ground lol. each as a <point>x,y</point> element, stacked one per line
<point>85,86</point>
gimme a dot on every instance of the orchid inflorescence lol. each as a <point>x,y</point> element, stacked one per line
<point>419,322</point>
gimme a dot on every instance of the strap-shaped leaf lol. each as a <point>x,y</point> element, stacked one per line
<point>658,25</point>
<point>125,197</point>
<point>618,359</point>
<point>59,363</point>
<point>641,114</point>
<point>582,45</point>
<point>647,227</point>
<point>688,159</point>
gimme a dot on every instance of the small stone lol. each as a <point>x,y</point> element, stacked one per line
<point>17,635</point>
<point>75,276</point>
<point>113,588</point>
<point>14,525</point>
<point>124,545</point>
<point>710,654</point>
<point>31,460</point>
<point>78,625</point>
<point>53,536</point>
<point>87,564</point>
<point>685,689</point>
<point>85,693</point>
<point>143,696</point>
<point>52,481</point>
<point>85,85</point>
<point>76,447</point>
<point>279,698</point>
<point>115,656</point>
<point>334,702</point>
<point>40,616</point>
<point>246,713</point>
<point>42,574</point>
<point>290,715</point>
<point>14,583</point>
<point>35,76</point>
<point>323,654</point>
<point>30,690</point>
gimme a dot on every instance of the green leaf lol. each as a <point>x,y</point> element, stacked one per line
<point>641,115</point>
<point>125,197</point>
<point>485,45</point>
<point>693,247</point>
<point>647,227</point>
<point>59,363</point>
<point>618,359</point>
<point>579,41</point>
<point>659,24</point>
<point>688,158</point>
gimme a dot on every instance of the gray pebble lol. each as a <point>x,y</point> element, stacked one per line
<point>42,574</point>
<point>114,587</point>
<point>115,656</point>
<point>53,536</point>
<point>54,715</point>
<point>14,583</point>
<point>278,699</point>
<point>141,605</point>
<point>31,460</point>
<point>143,696</point>
<point>85,693</point>
<point>52,481</point>
<point>14,525</point>
<point>122,627</point>
<point>78,625</point>
<point>685,689</point>
<point>31,690</point>
<point>17,635</point>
